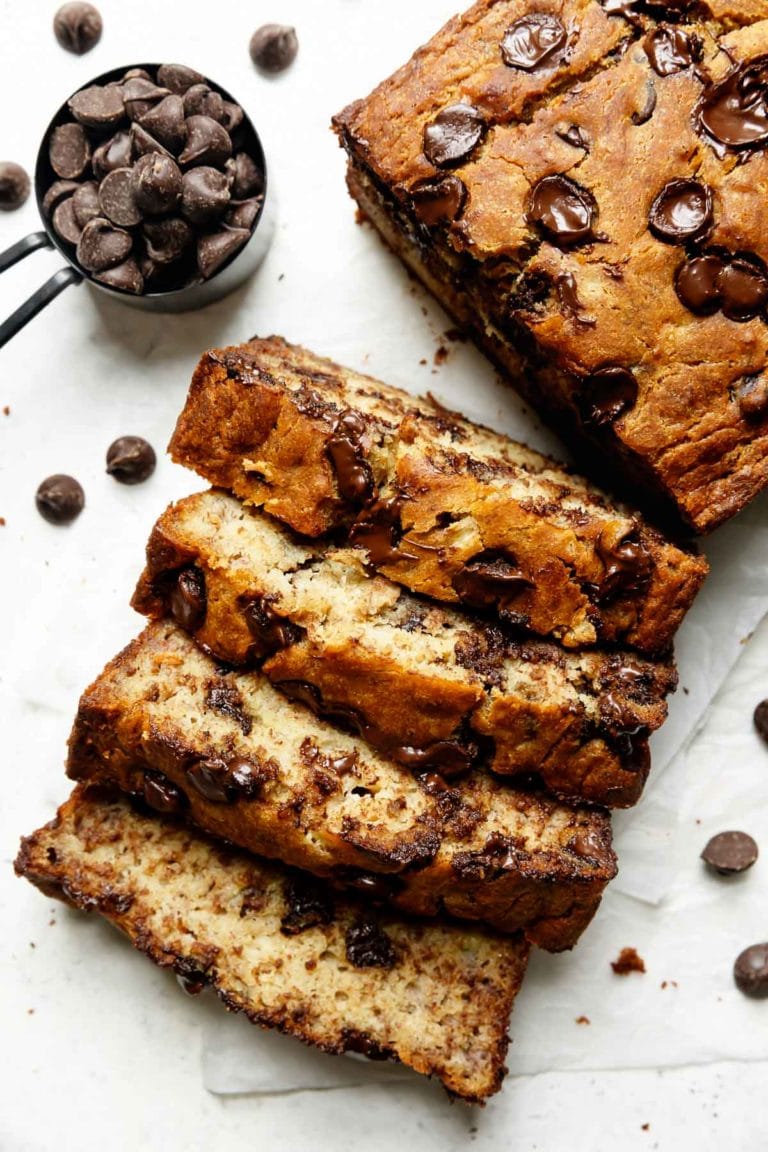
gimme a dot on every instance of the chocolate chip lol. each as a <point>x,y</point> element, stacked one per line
<point>85,202</point>
<point>214,249</point>
<point>77,27</point>
<point>453,134</point>
<point>177,78</point>
<point>730,853</point>
<point>167,240</point>
<point>204,194</point>
<point>697,284</point>
<point>672,50</point>
<point>200,100</point>
<point>69,151</point>
<point>743,288</point>
<point>226,781</point>
<point>760,719</point>
<point>451,757</point>
<point>308,904</point>
<point>346,451</point>
<point>156,183</point>
<point>270,631</point>
<point>438,201</point>
<point>734,113</point>
<point>233,116</point>
<point>368,946</point>
<point>646,110</point>
<point>97,107</point>
<point>162,795</point>
<point>113,153</point>
<point>60,499</point>
<point>751,394</point>
<point>488,578</point>
<point>102,245</point>
<point>607,394</point>
<point>575,136</point>
<point>165,122</point>
<point>682,211</point>
<point>14,186</point>
<point>140,95</point>
<point>564,210</point>
<point>533,40</point>
<point>136,73</point>
<point>143,144</point>
<point>131,460</point>
<point>65,224</point>
<point>246,176</point>
<point>188,602</point>
<point>751,972</point>
<point>57,191</point>
<point>628,565</point>
<point>568,294</point>
<point>207,142</point>
<point>273,47</point>
<point>126,276</point>
<point>117,199</point>
<point>243,214</point>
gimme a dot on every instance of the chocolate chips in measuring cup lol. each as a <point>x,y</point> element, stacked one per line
<point>159,180</point>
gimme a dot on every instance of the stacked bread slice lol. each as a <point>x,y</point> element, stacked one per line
<point>397,668</point>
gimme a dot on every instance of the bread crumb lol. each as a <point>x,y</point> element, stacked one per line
<point>441,355</point>
<point>360,217</point>
<point>583,1020</point>
<point>423,360</point>
<point>2,521</point>
<point>6,410</point>
<point>455,335</point>
<point>669,984</point>
<point>645,1127</point>
<point>628,961</point>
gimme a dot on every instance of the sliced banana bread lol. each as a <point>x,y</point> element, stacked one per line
<point>445,507</point>
<point>246,764</point>
<point>426,684</point>
<point>282,948</point>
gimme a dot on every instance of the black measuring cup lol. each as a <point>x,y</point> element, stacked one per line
<point>231,275</point>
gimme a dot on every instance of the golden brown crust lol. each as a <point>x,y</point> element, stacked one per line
<point>413,675</point>
<point>320,800</point>
<point>687,439</point>
<point>260,421</point>
<point>276,948</point>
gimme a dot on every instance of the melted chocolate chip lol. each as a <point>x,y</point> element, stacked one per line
<point>608,393</point>
<point>438,201</point>
<point>734,113</point>
<point>368,946</point>
<point>751,394</point>
<point>453,135</point>
<point>345,448</point>
<point>490,578</point>
<point>575,136</point>
<point>564,210</point>
<point>131,460</point>
<point>308,904</point>
<point>270,632</point>
<point>452,758</point>
<point>162,795</point>
<point>224,697</point>
<point>751,972</point>
<point>682,212</point>
<point>672,50</point>
<point>533,40</point>
<point>227,781</point>
<point>643,114</point>
<point>627,567</point>
<point>587,843</point>
<point>743,287</point>
<point>696,284</point>
<point>60,499</point>
<point>730,853</point>
<point>570,303</point>
<point>379,531</point>
<point>188,603</point>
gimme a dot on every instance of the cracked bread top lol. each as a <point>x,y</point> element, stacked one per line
<point>244,763</point>
<point>445,507</point>
<point>282,948</point>
<point>579,218</point>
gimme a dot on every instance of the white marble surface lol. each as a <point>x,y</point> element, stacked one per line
<point>102,1050</point>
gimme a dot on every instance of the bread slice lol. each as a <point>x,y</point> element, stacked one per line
<point>246,764</point>
<point>427,685</point>
<point>282,948</point>
<point>445,507</point>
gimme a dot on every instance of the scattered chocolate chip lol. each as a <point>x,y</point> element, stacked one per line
<point>453,135</point>
<point>60,499</point>
<point>368,946</point>
<point>751,972</point>
<point>743,288</point>
<point>140,95</point>
<point>162,795</point>
<point>243,213</point>
<point>65,224</point>
<point>207,142</point>
<point>608,393</point>
<point>564,210</point>
<point>308,904</point>
<point>77,27</point>
<point>247,179</point>
<point>214,249</point>
<point>188,602</point>
<point>177,78</point>
<point>14,186</point>
<point>627,962</point>
<point>533,40</point>
<point>730,853</point>
<point>488,579</point>
<point>98,107</point>
<point>102,245</point>
<point>672,50</point>
<point>438,201</point>
<point>644,113</point>
<point>117,198</point>
<point>69,151</point>
<point>126,277</point>
<point>156,184</point>
<point>751,394</point>
<point>167,240</point>
<point>85,202</point>
<point>165,122</point>
<point>346,451</point>
<point>682,212</point>
<point>204,194</point>
<point>200,100</point>
<point>131,460</point>
<point>273,47</point>
<point>575,136</point>
<point>696,284</point>
<point>57,191</point>
<point>760,719</point>
<point>734,113</point>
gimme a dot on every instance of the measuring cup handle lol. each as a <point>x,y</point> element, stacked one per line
<point>38,300</point>
<point>23,248</point>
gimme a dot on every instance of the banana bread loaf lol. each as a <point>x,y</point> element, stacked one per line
<point>244,763</point>
<point>580,184</point>
<point>282,948</point>
<point>445,507</point>
<point>427,685</point>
